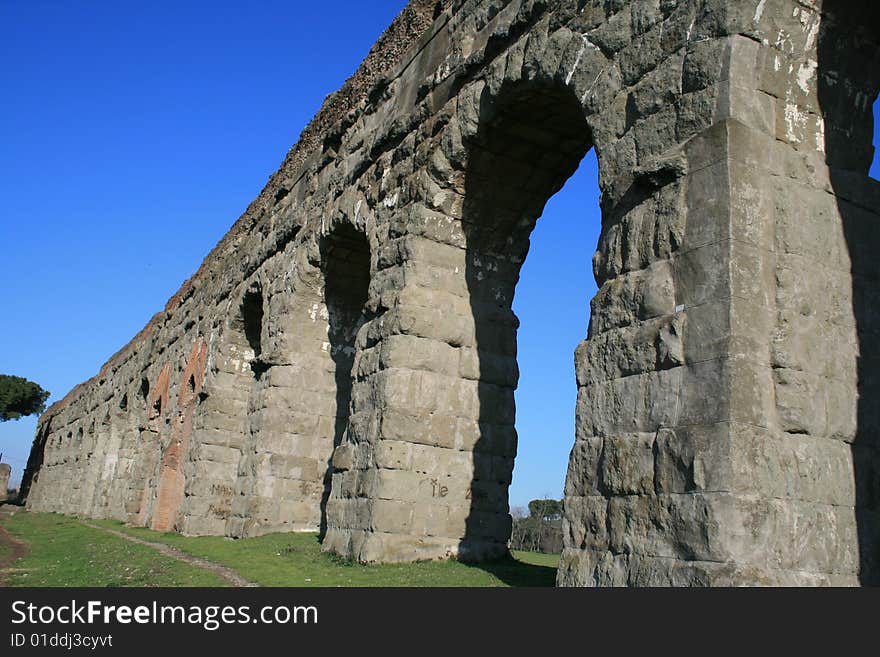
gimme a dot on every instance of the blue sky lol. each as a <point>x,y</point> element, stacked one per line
<point>134,135</point>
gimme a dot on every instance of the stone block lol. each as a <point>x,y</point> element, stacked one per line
<point>628,464</point>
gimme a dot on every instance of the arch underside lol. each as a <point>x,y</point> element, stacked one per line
<point>349,365</point>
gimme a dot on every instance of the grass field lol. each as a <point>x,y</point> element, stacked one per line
<point>65,552</point>
<point>538,559</point>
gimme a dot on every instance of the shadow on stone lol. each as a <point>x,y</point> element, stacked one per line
<point>35,459</point>
<point>530,140</point>
<point>849,78</point>
<point>345,256</point>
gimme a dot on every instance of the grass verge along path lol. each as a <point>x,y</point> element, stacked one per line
<point>228,574</point>
<point>62,551</point>
<point>11,549</point>
<point>65,551</point>
<point>297,560</point>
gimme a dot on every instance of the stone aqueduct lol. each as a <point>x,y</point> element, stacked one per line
<point>345,358</point>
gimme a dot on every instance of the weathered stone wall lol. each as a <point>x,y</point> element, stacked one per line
<point>729,452</point>
<point>5,471</point>
<point>346,357</point>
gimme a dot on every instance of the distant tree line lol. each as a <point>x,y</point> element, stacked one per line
<point>539,529</point>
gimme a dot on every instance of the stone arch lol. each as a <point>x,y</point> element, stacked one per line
<point>346,267</point>
<point>174,469</point>
<point>249,321</point>
<point>229,484</point>
<point>127,458</point>
<point>287,439</point>
<point>432,479</point>
<point>531,137</point>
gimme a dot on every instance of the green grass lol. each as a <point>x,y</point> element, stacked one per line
<point>297,560</point>
<point>64,552</point>
<point>537,558</point>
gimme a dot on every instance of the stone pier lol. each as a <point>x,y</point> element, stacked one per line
<point>5,471</point>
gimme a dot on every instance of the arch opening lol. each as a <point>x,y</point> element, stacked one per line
<point>555,283</point>
<point>847,81</point>
<point>874,171</point>
<point>345,260</point>
<point>252,325</point>
<point>530,141</point>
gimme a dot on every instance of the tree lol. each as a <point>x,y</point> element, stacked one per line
<point>541,529</point>
<point>518,529</point>
<point>546,509</point>
<point>20,397</point>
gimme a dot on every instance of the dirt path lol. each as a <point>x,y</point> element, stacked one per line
<point>18,548</point>
<point>221,571</point>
